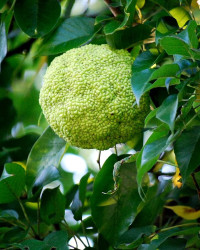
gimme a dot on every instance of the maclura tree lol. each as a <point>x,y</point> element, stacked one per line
<point>125,75</point>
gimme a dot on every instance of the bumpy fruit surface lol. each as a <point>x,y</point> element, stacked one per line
<point>88,100</point>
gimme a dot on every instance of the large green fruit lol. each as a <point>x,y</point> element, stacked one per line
<point>87,97</point>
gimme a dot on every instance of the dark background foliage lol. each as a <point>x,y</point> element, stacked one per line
<point>146,195</point>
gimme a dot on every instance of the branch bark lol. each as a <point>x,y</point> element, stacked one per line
<point>114,10</point>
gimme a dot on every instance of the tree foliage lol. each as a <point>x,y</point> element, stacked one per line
<point>146,195</point>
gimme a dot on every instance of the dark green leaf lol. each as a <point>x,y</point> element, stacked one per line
<point>71,33</point>
<point>155,145</point>
<point>175,45</point>
<point>37,17</point>
<point>187,151</point>
<point>57,240</point>
<point>189,35</point>
<point>79,199</point>
<point>2,2</point>
<point>133,237</point>
<point>161,237</point>
<point>167,111</point>
<point>166,70</point>
<point>46,152</point>
<point>175,244</point>
<point>12,182</point>
<point>140,82</point>
<point>152,206</point>
<point>144,61</point>
<point>109,208</point>
<point>52,207</point>
<point>126,38</point>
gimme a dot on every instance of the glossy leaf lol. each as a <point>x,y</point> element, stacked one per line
<point>175,45</point>
<point>125,38</point>
<point>46,152</point>
<point>181,15</point>
<point>78,202</point>
<point>109,201</point>
<point>167,111</point>
<point>52,207</point>
<point>189,141</point>
<point>140,82</point>
<point>155,145</point>
<point>189,35</point>
<point>71,33</point>
<point>143,61</point>
<point>37,17</point>
<point>12,182</point>
<point>166,70</point>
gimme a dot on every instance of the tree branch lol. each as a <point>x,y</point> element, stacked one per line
<point>114,10</point>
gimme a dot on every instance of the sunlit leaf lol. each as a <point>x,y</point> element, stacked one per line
<point>186,212</point>
<point>46,152</point>
<point>12,183</point>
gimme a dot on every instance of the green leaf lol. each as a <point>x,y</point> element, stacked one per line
<point>175,45</point>
<point>144,61</point>
<point>163,236</point>
<point>126,38</point>
<point>167,111</point>
<point>109,208</point>
<point>47,151</point>
<point>56,240</point>
<point>12,182</point>
<point>134,237</point>
<point>3,42</point>
<point>189,35</point>
<point>175,244</point>
<point>2,3</point>
<point>79,199</point>
<point>46,176</point>
<point>186,149</point>
<point>37,17</point>
<point>152,206</point>
<point>52,207</point>
<point>181,15</point>
<point>71,33</point>
<point>129,11</point>
<point>155,145</point>
<point>140,82</point>
<point>166,70</point>
<point>114,25</point>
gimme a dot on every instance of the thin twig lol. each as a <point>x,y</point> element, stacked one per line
<point>70,231</point>
<point>84,232</point>
<point>114,10</point>
<point>98,159</point>
<point>26,216</point>
<point>196,184</point>
<point>38,217</point>
<point>116,150</point>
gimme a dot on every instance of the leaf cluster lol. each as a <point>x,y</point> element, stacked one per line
<point>148,199</point>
